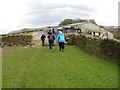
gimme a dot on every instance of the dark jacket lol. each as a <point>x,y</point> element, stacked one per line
<point>43,37</point>
<point>51,37</point>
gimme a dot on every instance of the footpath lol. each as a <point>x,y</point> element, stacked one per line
<point>37,39</point>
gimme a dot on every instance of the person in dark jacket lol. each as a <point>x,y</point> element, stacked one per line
<point>54,35</point>
<point>43,39</point>
<point>61,39</point>
<point>49,32</point>
<point>51,38</point>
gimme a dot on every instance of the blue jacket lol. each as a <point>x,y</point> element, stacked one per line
<point>60,37</point>
<point>54,32</point>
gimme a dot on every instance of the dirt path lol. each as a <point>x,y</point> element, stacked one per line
<point>37,40</point>
<point>37,35</point>
<point>5,52</point>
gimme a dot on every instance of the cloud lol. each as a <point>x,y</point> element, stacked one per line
<point>16,14</point>
<point>43,13</point>
<point>119,13</point>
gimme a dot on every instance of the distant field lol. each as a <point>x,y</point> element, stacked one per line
<point>39,68</point>
<point>30,33</point>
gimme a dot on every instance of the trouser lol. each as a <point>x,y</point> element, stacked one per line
<point>53,42</point>
<point>43,43</point>
<point>50,44</point>
<point>61,46</point>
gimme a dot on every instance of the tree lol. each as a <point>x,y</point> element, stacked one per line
<point>92,21</point>
<point>71,21</point>
<point>79,20</point>
<point>66,22</point>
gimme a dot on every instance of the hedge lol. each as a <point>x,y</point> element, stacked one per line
<point>93,46</point>
<point>17,40</point>
<point>107,48</point>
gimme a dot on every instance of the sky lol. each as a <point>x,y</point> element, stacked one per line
<point>18,14</point>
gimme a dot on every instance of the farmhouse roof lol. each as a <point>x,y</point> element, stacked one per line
<point>75,24</point>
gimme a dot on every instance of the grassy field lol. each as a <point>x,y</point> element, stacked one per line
<point>39,68</point>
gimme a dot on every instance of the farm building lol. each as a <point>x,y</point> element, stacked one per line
<point>86,28</point>
<point>116,33</point>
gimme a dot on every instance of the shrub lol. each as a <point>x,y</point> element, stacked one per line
<point>106,48</point>
<point>17,40</point>
<point>93,45</point>
<point>110,48</point>
<point>71,39</point>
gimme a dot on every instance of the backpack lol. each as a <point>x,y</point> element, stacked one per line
<point>51,37</point>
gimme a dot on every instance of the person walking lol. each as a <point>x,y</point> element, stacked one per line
<point>51,38</point>
<point>53,30</point>
<point>61,39</point>
<point>54,35</point>
<point>43,39</point>
<point>49,32</point>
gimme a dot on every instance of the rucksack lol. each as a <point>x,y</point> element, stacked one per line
<point>51,37</point>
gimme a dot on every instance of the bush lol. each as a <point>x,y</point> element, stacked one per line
<point>106,48</point>
<point>81,41</point>
<point>17,40</point>
<point>110,48</point>
<point>93,46</point>
<point>70,39</point>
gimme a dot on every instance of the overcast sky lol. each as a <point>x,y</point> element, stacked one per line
<point>18,14</point>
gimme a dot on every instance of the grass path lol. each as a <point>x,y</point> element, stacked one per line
<point>74,68</point>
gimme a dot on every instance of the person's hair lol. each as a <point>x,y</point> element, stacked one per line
<point>60,31</point>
